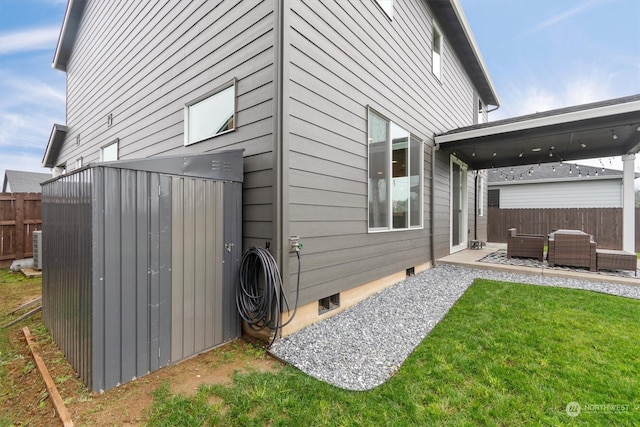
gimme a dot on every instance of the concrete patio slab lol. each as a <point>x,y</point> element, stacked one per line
<point>470,258</point>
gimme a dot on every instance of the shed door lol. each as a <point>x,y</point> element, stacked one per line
<point>198,250</point>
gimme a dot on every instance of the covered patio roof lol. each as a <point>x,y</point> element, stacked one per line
<point>601,129</point>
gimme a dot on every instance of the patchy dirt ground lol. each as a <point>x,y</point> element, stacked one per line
<point>128,404</point>
<point>27,403</point>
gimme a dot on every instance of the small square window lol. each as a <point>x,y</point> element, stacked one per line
<point>78,162</point>
<point>109,152</point>
<point>387,6</point>
<point>437,52</point>
<point>494,198</point>
<point>211,114</point>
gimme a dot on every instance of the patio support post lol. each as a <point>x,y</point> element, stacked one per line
<point>628,205</point>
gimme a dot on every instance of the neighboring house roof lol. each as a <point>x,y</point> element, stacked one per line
<point>530,174</point>
<point>448,13</point>
<point>23,182</point>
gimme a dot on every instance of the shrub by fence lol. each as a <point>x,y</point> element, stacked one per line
<point>20,216</point>
<point>605,224</point>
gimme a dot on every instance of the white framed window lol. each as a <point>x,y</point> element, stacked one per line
<point>109,152</point>
<point>395,176</point>
<point>210,115</point>
<point>78,162</point>
<point>387,6</point>
<point>436,52</point>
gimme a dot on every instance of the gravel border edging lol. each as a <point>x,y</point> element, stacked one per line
<point>363,346</point>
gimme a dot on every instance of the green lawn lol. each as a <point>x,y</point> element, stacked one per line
<point>506,354</point>
<point>15,289</point>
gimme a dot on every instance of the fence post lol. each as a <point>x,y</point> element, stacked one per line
<point>19,230</point>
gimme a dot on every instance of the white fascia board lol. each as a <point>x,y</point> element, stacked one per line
<point>56,56</point>
<point>574,116</point>
<point>457,8</point>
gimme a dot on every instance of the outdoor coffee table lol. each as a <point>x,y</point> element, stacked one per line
<point>609,259</point>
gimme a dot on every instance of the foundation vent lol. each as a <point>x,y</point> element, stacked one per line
<point>328,303</point>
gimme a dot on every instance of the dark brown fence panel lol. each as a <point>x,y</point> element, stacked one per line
<point>20,216</point>
<point>605,224</point>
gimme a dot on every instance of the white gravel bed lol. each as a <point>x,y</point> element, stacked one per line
<point>363,346</point>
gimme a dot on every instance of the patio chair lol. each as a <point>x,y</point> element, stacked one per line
<point>572,248</point>
<point>524,245</point>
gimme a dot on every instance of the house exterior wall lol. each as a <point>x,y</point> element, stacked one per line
<point>584,193</point>
<point>344,57</point>
<point>162,55</point>
<point>307,72</point>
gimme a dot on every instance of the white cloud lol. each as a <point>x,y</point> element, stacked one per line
<point>561,17</point>
<point>29,40</point>
<point>28,130</point>
<point>28,108</point>
<point>21,91</point>
<point>532,95</point>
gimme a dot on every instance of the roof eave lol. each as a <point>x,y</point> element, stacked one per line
<point>573,116</point>
<point>58,133</point>
<point>68,33</point>
<point>494,99</point>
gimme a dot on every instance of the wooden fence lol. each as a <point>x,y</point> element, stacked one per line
<point>605,224</point>
<point>20,216</point>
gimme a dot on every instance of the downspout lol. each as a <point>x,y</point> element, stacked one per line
<point>281,144</point>
<point>433,203</point>
<point>279,149</point>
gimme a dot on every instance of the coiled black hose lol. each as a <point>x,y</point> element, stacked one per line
<point>261,294</point>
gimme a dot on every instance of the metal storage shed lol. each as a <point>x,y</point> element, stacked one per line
<point>140,262</point>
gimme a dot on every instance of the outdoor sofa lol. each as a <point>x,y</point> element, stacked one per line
<point>524,245</point>
<point>573,248</point>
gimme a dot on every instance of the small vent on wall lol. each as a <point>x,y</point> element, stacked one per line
<point>220,166</point>
<point>328,303</point>
<point>411,271</point>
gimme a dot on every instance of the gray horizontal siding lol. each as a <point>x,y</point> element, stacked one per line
<point>160,55</point>
<point>442,210</point>
<point>344,57</point>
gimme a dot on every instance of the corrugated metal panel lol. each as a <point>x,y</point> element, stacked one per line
<point>111,298</point>
<point>231,223</point>
<point>202,290</point>
<point>67,254</point>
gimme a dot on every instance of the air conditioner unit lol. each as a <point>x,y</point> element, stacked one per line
<point>37,250</point>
